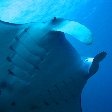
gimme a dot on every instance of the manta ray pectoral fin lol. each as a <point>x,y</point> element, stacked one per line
<point>95,64</point>
<point>8,31</point>
<point>99,57</point>
<point>77,30</point>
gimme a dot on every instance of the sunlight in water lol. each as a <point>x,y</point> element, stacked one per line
<point>23,11</point>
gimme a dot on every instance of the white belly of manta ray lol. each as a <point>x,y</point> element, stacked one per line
<point>44,73</point>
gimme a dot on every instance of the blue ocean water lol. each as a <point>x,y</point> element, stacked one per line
<point>97,95</point>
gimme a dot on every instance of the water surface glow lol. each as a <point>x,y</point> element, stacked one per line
<point>19,11</point>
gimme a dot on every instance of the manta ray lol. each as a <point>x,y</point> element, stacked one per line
<point>40,71</point>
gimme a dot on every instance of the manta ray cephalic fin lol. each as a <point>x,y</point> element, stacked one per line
<point>77,30</point>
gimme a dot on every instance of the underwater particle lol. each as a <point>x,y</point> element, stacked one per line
<point>13,103</point>
<point>3,84</point>
<point>46,103</point>
<point>57,103</point>
<point>66,100</point>
<point>49,92</point>
<point>34,107</point>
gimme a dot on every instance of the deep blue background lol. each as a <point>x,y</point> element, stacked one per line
<point>97,95</point>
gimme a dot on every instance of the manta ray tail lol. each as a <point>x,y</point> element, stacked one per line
<point>95,64</point>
